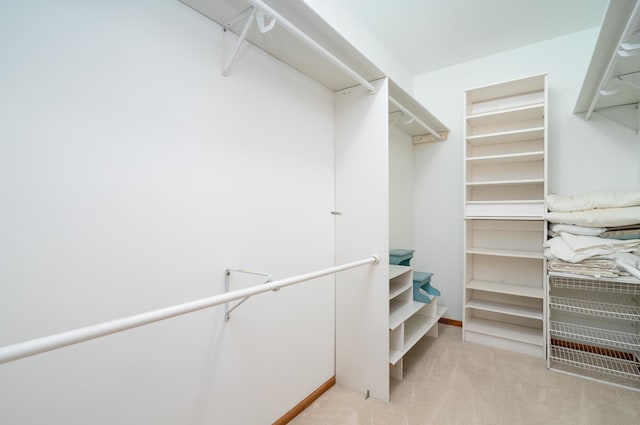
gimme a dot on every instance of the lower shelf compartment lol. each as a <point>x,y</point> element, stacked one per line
<point>507,336</point>
<point>415,328</point>
<point>600,365</point>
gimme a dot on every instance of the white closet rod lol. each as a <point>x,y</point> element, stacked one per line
<point>626,34</point>
<point>52,342</point>
<point>416,119</point>
<point>260,5</point>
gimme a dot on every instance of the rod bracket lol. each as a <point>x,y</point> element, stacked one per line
<point>227,277</point>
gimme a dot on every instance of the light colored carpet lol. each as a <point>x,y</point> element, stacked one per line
<point>450,382</point>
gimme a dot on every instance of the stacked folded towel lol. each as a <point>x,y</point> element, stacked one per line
<point>595,234</point>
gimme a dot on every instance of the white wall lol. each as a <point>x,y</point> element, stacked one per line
<point>401,231</point>
<point>583,156</point>
<point>131,175</point>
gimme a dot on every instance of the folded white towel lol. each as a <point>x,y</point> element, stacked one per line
<point>577,230</point>
<point>602,217</point>
<point>573,248</point>
<point>591,200</point>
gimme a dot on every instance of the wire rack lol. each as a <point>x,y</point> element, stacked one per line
<point>617,286</point>
<point>593,335</point>
<point>612,366</point>
<point>613,306</point>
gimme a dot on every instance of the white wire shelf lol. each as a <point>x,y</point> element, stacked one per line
<point>624,285</point>
<point>593,335</point>
<point>593,362</point>
<point>612,306</point>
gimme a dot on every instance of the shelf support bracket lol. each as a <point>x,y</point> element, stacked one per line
<point>243,36</point>
<point>227,276</point>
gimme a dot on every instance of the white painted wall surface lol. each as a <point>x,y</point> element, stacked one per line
<point>583,155</point>
<point>131,175</point>
<point>401,231</point>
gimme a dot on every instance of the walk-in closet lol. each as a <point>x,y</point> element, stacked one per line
<point>252,212</point>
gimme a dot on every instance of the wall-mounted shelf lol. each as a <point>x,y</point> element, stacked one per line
<point>412,118</point>
<point>280,43</point>
<point>611,86</point>
<point>287,43</point>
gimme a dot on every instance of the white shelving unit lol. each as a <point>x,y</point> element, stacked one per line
<point>409,320</point>
<point>505,173</point>
<point>594,328</point>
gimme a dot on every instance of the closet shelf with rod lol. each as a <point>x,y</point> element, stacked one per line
<point>295,34</point>
<point>611,86</point>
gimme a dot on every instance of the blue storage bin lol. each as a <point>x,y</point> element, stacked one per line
<point>422,280</point>
<point>401,257</point>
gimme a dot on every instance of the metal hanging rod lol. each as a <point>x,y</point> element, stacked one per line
<point>53,342</point>
<point>265,9</point>
<point>405,111</point>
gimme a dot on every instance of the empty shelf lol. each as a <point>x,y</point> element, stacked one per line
<point>400,311</point>
<point>394,356</point>
<point>506,288</point>
<point>505,330</point>
<point>513,157</point>
<point>596,362</point>
<point>521,113</point>
<point>395,270</point>
<point>506,182</point>
<point>418,325</point>
<point>593,335</point>
<point>504,308</point>
<point>505,253</point>
<point>506,136</point>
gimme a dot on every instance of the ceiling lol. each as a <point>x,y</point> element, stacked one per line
<point>429,34</point>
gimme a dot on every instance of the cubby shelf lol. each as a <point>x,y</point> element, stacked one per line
<point>409,320</point>
<point>397,285</point>
<point>400,311</point>
<point>416,327</point>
